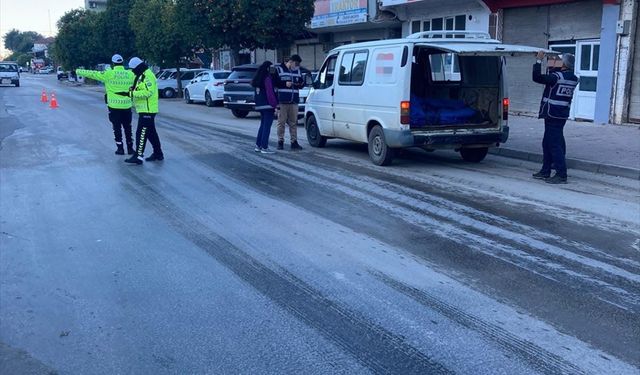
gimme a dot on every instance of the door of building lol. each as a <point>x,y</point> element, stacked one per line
<point>586,68</point>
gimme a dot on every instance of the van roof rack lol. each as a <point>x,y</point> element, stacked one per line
<point>449,35</point>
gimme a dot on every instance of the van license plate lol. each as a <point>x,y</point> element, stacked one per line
<point>6,81</point>
<point>242,101</point>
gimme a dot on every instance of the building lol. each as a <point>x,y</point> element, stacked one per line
<point>95,5</point>
<point>601,33</point>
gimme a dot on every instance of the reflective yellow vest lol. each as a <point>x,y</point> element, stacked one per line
<point>115,80</point>
<point>145,93</point>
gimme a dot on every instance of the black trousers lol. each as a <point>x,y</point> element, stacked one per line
<point>147,129</point>
<point>554,147</point>
<point>121,119</point>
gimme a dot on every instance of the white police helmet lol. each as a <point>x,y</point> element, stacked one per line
<point>117,59</point>
<point>134,62</point>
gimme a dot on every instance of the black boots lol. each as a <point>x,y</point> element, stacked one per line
<point>155,157</point>
<point>134,160</point>
<point>280,145</point>
<point>295,146</point>
<point>120,150</point>
<point>541,175</point>
<point>556,179</point>
<point>130,149</point>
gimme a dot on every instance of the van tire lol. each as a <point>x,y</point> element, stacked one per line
<point>314,137</point>
<point>379,152</point>
<point>474,155</point>
<point>240,113</point>
<point>187,97</point>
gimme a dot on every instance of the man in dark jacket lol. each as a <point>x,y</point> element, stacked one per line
<point>560,84</point>
<point>289,83</point>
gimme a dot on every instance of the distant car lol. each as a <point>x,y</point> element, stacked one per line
<point>168,87</point>
<point>45,70</point>
<point>9,74</point>
<point>61,73</point>
<point>239,94</point>
<point>207,87</point>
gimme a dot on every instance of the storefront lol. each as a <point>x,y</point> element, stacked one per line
<point>338,22</point>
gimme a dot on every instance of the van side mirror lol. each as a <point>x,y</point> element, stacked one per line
<point>308,81</point>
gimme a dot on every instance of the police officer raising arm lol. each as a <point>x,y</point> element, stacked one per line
<point>115,80</point>
<point>560,83</point>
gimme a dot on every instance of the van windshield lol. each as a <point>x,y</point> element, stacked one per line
<point>8,68</point>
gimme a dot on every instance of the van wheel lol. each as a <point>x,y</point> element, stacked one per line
<point>379,152</point>
<point>207,99</point>
<point>187,97</point>
<point>474,155</point>
<point>239,113</point>
<point>168,93</point>
<point>314,137</point>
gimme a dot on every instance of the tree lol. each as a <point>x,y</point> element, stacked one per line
<point>80,39</point>
<point>255,23</point>
<point>20,42</point>
<point>118,36</point>
<point>165,31</point>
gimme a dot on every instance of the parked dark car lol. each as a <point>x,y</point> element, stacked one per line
<point>238,92</point>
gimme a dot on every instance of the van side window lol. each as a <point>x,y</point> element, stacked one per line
<point>352,68</point>
<point>327,72</point>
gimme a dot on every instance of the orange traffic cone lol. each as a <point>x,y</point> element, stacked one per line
<point>43,97</point>
<point>54,102</point>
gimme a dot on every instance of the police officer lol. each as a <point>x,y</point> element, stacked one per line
<point>115,80</point>
<point>144,93</point>
<point>289,83</point>
<point>560,84</point>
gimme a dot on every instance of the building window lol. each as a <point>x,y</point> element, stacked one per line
<point>454,23</point>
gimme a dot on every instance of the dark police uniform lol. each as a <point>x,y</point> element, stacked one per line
<point>554,109</point>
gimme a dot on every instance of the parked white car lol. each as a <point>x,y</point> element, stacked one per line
<point>431,90</point>
<point>169,87</point>
<point>207,87</point>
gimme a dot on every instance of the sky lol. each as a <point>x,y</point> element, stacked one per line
<point>33,15</point>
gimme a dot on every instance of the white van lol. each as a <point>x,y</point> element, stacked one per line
<point>432,90</point>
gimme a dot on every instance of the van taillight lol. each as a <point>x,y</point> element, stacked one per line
<point>505,109</point>
<point>405,111</point>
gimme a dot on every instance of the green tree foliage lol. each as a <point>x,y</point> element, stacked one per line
<point>255,23</point>
<point>80,39</point>
<point>166,31</point>
<point>118,36</point>
<point>20,42</point>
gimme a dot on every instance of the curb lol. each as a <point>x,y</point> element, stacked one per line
<point>583,165</point>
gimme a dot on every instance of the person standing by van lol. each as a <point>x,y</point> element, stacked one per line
<point>116,80</point>
<point>266,103</point>
<point>289,83</point>
<point>554,109</point>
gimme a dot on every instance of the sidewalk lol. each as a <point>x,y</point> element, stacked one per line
<point>608,149</point>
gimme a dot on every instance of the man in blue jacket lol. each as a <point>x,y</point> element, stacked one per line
<point>560,83</point>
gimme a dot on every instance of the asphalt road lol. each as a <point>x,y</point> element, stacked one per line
<point>219,260</point>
